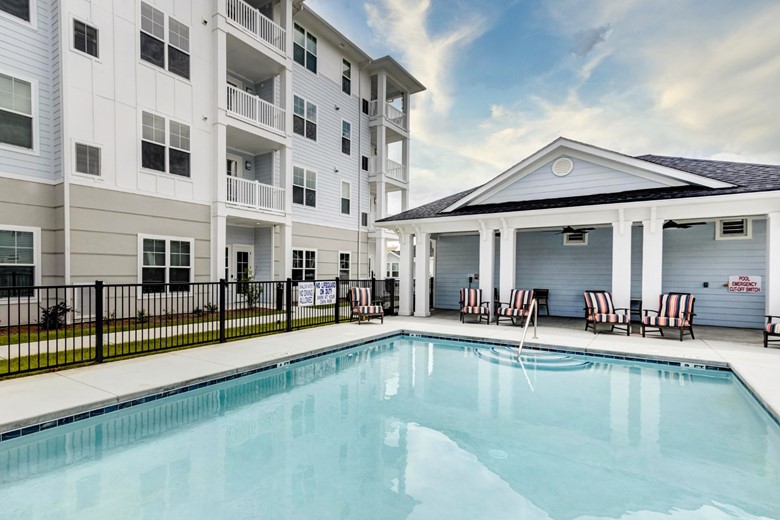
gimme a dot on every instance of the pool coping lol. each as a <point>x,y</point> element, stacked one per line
<point>35,424</point>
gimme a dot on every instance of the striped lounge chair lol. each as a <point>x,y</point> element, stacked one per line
<point>771,329</point>
<point>600,309</point>
<point>517,307</point>
<point>363,307</point>
<point>471,303</point>
<point>675,310</point>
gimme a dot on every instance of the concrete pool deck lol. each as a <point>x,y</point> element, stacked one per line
<point>39,398</point>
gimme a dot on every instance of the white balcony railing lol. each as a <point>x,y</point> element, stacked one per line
<point>256,24</point>
<point>254,110</point>
<point>255,195</point>
<point>393,114</point>
<point>392,169</point>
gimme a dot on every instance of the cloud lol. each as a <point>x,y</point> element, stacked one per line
<point>585,41</point>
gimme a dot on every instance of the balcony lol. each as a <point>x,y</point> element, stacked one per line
<point>394,170</point>
<point>255,110</point>
<point>393,114</point>
<point>254,195</point>
<point>256,24</point>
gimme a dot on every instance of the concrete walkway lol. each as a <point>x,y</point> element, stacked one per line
<point>39,398</point>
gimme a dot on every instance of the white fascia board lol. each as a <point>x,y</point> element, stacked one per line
<point>717,206</point>
<point>646,169</point>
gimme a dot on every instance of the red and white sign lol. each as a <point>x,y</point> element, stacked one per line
<point>745,284</point>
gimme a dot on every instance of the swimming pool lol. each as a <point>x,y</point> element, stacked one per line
<point>415,428</point>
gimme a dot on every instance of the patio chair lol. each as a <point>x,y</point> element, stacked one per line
<point>600,309</point>
<point>362,306</point>
<point>675,310</point>
<point>518,306</point>
<point>471,303</point>
<point>543,299</point>
<point>771,329</point>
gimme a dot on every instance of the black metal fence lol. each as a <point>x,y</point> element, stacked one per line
<point>47,327</point>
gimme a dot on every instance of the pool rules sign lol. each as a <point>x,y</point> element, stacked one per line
<point>744,284</point>
<point>316,293</point>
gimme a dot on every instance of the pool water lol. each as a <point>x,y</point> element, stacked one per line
<point>415,428</point>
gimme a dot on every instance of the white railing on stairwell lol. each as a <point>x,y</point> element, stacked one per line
<point>395,115</point>
<point>396,171</point>
<point>256,23</point>
<point>254,194</point>
<point>255,110</point>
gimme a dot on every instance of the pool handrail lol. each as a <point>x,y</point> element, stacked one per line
<point>533,308</point>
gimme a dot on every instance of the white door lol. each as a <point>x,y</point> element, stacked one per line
<point>243,262</point>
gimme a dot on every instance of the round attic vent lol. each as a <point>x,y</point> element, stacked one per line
<point>562,166</point>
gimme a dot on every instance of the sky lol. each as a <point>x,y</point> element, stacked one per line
<point>504,78</point>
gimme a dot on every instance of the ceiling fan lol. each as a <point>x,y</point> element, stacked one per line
<point>567,230</point>
<point>671,224</point>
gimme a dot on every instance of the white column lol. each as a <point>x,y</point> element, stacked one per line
<point>422,274</point>
<point>487,258</point>
<point>381,94</point>
<point>507,262</point>
<point>405,157</point>
<point>621,264</point>
<point>404,199</point>
<point>380,253</point>
<point>405,274</point>
<point>218,243</point>
<point>773,263</point>
<point>652,262</point>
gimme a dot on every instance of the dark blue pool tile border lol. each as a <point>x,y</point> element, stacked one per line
<point>282,362</point>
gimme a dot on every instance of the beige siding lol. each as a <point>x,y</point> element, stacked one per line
<point>105,225</point>
<point>35,204</point>
<point>328,241</point>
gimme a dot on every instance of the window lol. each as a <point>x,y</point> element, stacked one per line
<point>365,106</point>
<point>364,219</point>
<point>165,261</point>
<point>346,137</point>
<point>346,197</point>
<point>85,38</point>
<point>304,118</point>
<point>364,163</point>
<point>17,8</point>
<point>346,77</point>
<point>304,264</point>
<point>305,48</point>
<point>154,149</point>
<point>17,262</point>
<point>16,112</point>
<point>733,229</point>
<point>87,159</point>
<point>575,239</point>
<point>345,262</point>
<point>153,41</point>
<point>392,269</point>
<point>304,187</point>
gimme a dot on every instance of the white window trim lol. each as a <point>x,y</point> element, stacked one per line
<point>140,260</point>
<point>305,170</point>
<point>167,145</point>
<point>316,261</point>
<point>32,24</point>
<point>73,48</point>
<point>575,244</point>
<point>748,229</point>
<point>338,270</point>
<point>343,76</point>
<point>341,197</point>
<point>79,174</point>
<point>152,66</point>
<point>305,116</point>
<point>389,270</point>
<point>37,256</point>
<point>341,136</point>
<point>316,54</point>
<point>35,150</point>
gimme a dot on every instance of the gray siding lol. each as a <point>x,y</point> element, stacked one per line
<point>264,253</point>
<point>567,271</point>
<point>693,256</point>
<point>636,261</point>
<point>325,157</point>
<point>27,53</point>
<point>586,178</point>
<point>328,242</point>
<point>456,258</point>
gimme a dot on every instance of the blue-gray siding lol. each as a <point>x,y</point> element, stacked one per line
<point>456,258</point>
<point>586,178</point>
<point>693,257</point>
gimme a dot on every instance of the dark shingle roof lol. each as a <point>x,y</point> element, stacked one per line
<point>745,177</point>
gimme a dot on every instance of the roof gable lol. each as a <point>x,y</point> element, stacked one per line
<point>596,170</point>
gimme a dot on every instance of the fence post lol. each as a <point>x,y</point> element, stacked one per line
<point>288,304</point>
<point>392,297</point>
<point>98,321</point>
<point>338,302</point>
<point>222,299</point>
<point>373,288</point>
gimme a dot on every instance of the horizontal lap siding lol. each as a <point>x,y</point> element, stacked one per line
<point>567,271</point>
<point>693,256</point>
<point>456,258</point>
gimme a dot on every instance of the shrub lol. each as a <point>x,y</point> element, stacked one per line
<point>54,317</point>
<point>210,307</point>
<point>141,316</point>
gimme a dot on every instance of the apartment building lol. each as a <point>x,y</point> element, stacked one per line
<point>166,141</point>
